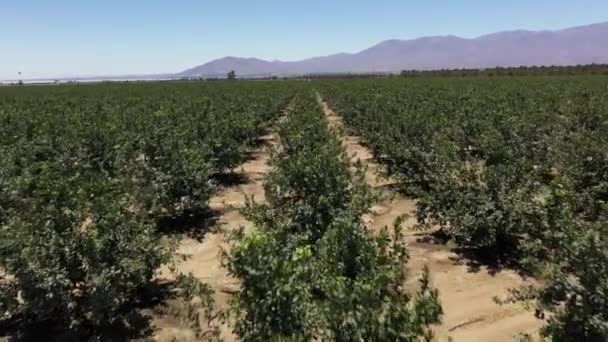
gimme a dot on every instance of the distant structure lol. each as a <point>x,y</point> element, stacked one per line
<point>231,75</point>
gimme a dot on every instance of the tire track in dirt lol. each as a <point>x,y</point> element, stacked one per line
<point>204,260</point>
<point>467,297</point>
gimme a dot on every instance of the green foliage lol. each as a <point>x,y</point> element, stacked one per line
<point>275,300</point>
<point>311,269</point>
<point>482,155</point>
<point>361,277</point>
<point>310,181</point>
<point>555,70</point>
<point>577,291</point>
<point>88,175</point>
<point>517,166</point>
<point>75,261</point>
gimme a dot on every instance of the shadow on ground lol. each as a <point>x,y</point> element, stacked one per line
<point>134,326</point>
<point>193,224</point>
<point>476,258</point>
<point>229,179</point>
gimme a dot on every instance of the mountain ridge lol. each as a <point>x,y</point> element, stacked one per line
<point>569,46</point>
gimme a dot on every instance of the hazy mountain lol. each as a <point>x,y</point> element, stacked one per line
<point>578,45</point>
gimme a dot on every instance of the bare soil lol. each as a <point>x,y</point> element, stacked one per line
<point>466,293</point>
<point>204,260</point>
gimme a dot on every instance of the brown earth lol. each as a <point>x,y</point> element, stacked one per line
<point>204,260</point>
<point>467,295</point>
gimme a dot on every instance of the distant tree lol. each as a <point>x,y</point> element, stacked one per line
<point>231,75</point>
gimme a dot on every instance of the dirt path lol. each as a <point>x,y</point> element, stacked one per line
<point>466,296</point>
<point>204,255</point>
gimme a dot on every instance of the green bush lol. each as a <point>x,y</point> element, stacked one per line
<point>90,173</point>
<point>311,269</point>
<point>77,257</point>
<point>515,167</point>
<point>577,291</point>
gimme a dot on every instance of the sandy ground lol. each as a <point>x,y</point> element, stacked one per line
<point>204,255</point>
<point>466,295</point>
<point>470,313</point>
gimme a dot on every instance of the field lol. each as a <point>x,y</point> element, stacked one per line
<point>392,209</point>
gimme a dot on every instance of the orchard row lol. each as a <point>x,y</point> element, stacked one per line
<point>91,174</point>
<point>516,168</point>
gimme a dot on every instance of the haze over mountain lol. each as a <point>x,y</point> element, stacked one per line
<point>571,46</point>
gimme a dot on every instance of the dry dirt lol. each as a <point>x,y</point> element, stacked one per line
<point>204,255</point>
<point>470,313</point>
<point>466,296</point>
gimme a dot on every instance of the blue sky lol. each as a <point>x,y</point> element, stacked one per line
<point>92,37</point>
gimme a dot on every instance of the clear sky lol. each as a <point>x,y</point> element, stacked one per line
<point>57,38</point>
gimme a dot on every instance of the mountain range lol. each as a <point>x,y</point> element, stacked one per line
<point>571,46</point>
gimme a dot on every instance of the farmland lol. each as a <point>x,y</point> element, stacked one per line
<point>391,209</point>
<point>92,178</point>
<point>513,171</point>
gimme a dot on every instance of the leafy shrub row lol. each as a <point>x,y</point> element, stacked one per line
<point>88,172</point>
<point>517,167</point>
<point>310,268</point>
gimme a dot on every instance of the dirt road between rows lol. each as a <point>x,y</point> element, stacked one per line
<point>467,297</point>
<point>204,260</point>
